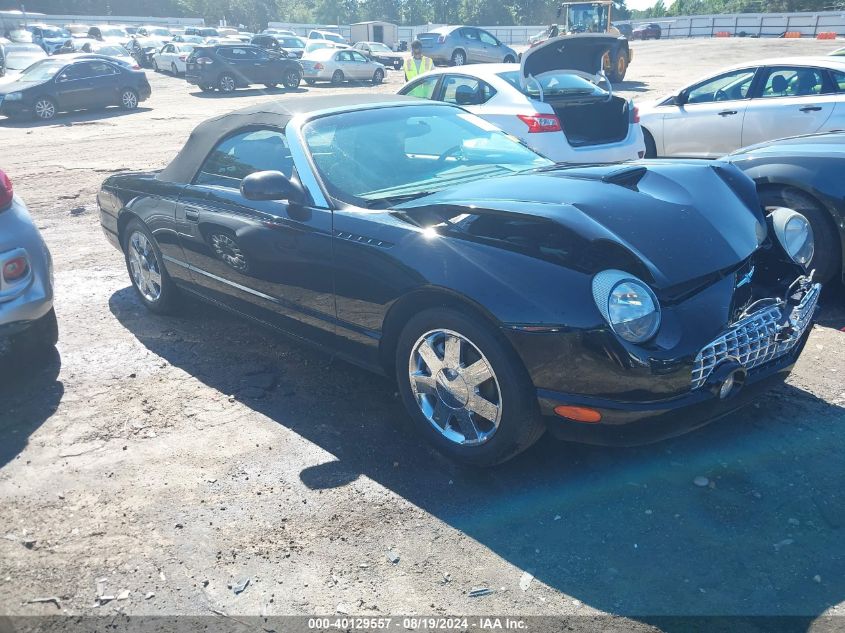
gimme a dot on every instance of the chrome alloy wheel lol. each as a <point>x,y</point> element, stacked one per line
<point>145,267</point>
<point>44,109</point>
<point>228,250</point>
<point>129,100</point>
<point>227,83</point>
<point>455,387</point>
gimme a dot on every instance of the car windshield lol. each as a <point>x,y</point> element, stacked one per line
<point>378,157</point>
<point>161,32</point>
<point>20,57</point>
<point>113,32</point>
<point>55,33</point>
<point>20,36</point>
<point>291,42</point>
<point>41,71</point>
<point>378,46</point>
<point>334,37</point>
<point>112,51</point>
<point>554,85</point>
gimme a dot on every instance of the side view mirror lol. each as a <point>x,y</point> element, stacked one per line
<point>681,98</point>
<point>272,185</point>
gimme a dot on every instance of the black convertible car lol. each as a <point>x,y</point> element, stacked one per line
<point>505,293</point>
<point>805,173</point>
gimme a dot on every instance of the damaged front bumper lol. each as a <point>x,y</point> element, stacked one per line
<point>754,353</point>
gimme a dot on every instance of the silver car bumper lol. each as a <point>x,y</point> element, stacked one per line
<point>24,301</point>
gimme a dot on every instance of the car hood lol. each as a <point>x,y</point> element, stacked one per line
<point>16,85</point>
<point>677,221</point>
<point>582,53</point>
<point>829,144</point>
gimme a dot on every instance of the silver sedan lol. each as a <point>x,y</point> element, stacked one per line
<point>339,65</point>
<point>27,319</point>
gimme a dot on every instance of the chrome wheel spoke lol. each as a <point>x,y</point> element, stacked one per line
<point>155,278</point>
<point>477,373</point>
<point>452,352</point>
<point>441,414</point>
<point>483,407</point>
<point>424,384</point>
<point>467,426</point>
<point>430,357</point>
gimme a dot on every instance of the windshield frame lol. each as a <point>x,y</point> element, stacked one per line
<point>315,181</point>
<point>47,62</point>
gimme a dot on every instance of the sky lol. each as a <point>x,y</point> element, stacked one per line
<point>644,4</point>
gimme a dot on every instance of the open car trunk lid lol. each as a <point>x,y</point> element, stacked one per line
<point>579,53</point>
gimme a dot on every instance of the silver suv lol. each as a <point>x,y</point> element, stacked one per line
<point>27,320</point>
<point>459,45</point>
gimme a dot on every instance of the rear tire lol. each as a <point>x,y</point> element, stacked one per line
<point>292,79</point>
<point>378,76</point>
<point>147,273</point>
<point>173,70</point>
<point>459,58</point>
<point>226,83</point>
<point>156,69</point>
<point>128,99</point>
<point>618,66</point>
<point>501,388</point>
<point>827,258</point>
<point>337,77</point>
<point>509,60</point>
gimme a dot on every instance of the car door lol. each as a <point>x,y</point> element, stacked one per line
<point>343,59</point>
<point>165,56</point>
<point>472,44</point>
<point>423,88</point>
<point>264,68</point>
<point>789,101</point>
<point>75,86</point>
<point>491,50</point>
<point>364,68</point>
<point>707,123</point>
<point>240,62</point>
<point>267,259</point>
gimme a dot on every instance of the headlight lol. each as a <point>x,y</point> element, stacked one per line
<point>794,233</point>
<point>14,96</point>
<point>627,304</point>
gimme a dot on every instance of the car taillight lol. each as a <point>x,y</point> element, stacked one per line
<point>635,114</point>
<point>540,122</point>
<point>441,39</point>
<point>318,66</point>
<point>182,58</point>
<point>204,61</point>
<point>136,67</point>
<point>6,190</point>
<point>15,269</point>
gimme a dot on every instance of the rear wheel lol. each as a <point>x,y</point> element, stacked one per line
<point>378,76</point>
<point>618,67</point>
<point>128,99</point>
<point>156,69</point>
<point>226,83</point>
<point>827,258</point>
<point>337,77</point>
<point>146,270</point>
<point>45,109</point>
<point>464,388</point>
<point>509,59</point>
<point>459,58</point>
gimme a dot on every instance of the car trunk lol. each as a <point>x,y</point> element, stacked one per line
<point>594,122</point>
<point>429,40</point>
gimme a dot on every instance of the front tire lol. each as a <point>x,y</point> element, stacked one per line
<point>146,269</point>
<point>45,109</point>
<point>173,70</point>
<point>509,60</point>
<point>292,79</point>
<point>156,69</point>
<point>827,258</point>
<point>464,388</point>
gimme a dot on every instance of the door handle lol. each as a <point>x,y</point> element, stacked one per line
<point>727,112</point>
<point>192,214</point>
<point>810,108</point>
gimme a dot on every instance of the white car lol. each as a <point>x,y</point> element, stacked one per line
<point>172,57</point>
<point>339,65</point>
<point>747,104</point>
<point>330,36</point>
<point>553,100</point>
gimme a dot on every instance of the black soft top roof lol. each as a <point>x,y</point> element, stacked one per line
<point>274,114</point>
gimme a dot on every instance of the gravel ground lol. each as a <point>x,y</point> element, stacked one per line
<point>174,457</point>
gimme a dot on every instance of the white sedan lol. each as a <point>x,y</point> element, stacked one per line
<point>747,104</point>
<point>172,57</point>
<point>553,100</point>
<point>339,65</point>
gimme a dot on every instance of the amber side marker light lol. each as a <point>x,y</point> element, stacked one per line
<point>579,414</point>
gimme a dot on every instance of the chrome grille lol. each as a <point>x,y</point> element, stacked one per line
<point>753,340</point>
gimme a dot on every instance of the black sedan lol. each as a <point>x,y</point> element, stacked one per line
<point>72,83</point>
<point>805,173</point>
<point>505,293</point>
<point>227,67</point>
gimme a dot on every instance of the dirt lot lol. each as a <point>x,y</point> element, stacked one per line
<point>174,457</point>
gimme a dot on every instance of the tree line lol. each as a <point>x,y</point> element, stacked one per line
<point>255,14</point>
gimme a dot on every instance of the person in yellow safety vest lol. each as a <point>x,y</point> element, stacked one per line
<point>416,64</point>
